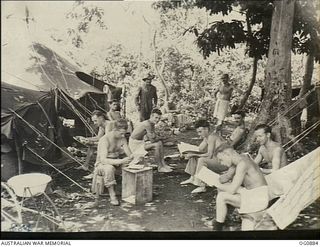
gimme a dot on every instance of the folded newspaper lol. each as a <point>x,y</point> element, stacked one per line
<point>209,177</point>
<point>186,147</point>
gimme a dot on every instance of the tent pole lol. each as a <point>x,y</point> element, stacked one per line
<point>56,99</point>
<point>18,151</point>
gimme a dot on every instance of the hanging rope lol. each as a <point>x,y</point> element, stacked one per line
<point>55,57</point>
<point>96,103</point>
<point>298,101</point>
<point>86,190</point>
<point>311,128</point>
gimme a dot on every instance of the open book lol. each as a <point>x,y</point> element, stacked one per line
<point>209,177</point>
<point>186,148</point>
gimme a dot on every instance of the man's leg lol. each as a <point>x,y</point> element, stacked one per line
<point>223,200</point>
<point>213,164</point>
<point>110,182</point>
<point>190,169</point>
<point>158,147</point>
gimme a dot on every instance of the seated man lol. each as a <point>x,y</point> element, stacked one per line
<point>169,110</point>
<point>271,152</point>
<point>113,114</point>
<point>144,135</point>
<point>109,149</point>
<point>99,120</point>
<point>250,198</point>
<point>238,135</point>
<point>197,161</point>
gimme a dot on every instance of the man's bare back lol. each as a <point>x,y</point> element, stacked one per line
<point>253,177</point>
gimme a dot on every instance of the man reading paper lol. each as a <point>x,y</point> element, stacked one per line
<point>248,190</point>
<point>205,159</point>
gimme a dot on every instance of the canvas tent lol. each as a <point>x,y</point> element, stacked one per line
<point>56,90</point>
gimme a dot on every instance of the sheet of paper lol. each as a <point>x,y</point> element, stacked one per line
<point>186,147</point>
<point>135,167</point>
<point>209,177</point>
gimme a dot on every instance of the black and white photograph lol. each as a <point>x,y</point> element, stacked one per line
<point>175,117</point>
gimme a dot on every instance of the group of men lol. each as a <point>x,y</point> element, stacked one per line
<point>241,177</point>
<point>242,181</point>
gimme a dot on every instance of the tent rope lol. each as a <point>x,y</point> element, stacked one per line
<point>37,86</point>
<point>273,121</point>
<point>41,134</point>
<point>96,103</point>
<point>306,132</point>
<point>45,113</point>
<point>78,113</point>
<point>81,118</point>
<point>86,190</point>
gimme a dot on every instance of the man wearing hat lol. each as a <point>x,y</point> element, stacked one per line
<point>146,98</point>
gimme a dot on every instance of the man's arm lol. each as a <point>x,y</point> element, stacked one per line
<point>150,133</point>
<point>276,158</point>
<point>226,177</point>
<point>109,115</point>
<point>237,181</point>
<point>237,137</point>
<point>96,138</point>
<point>126,148</point>
<point>103,154</point>
<point>258,159</point>
<point>212,142</point>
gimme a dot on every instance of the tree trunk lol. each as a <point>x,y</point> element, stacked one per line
<point>278,71</point>
<point>307,75</point>
<point>252,82</point>
<point>159,72</point>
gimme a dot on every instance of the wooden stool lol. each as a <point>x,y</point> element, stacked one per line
<point>137,185</point>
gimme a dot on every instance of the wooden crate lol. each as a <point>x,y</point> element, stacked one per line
<point>137,185</point>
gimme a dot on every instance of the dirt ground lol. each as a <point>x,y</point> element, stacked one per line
<point>173,207</point>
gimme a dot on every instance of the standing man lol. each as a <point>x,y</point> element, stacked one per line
<point>146,98</point>
<point>271,152</point>
<point>223,96</point>
<point>248,190</point>
<point>144,136</point>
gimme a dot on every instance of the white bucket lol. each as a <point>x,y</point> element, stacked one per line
<point>30,184</point>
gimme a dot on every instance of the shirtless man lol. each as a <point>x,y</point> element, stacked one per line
<point>223,95</point>
<point>110,147</point>
<point>146,98</point>
<point>270,151</point>
<point>144,136</point>
<point>99,120</point>
<point>113,114</point>
<point>196,161</point>
<point>248,190</point>
<point>239,133</point>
